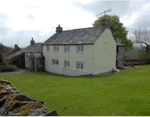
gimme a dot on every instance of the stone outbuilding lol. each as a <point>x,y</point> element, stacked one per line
<point>120,54</point>
<point>21,58</point>
<point>36,62</point>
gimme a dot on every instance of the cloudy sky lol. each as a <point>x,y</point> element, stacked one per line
<point>22,19</point>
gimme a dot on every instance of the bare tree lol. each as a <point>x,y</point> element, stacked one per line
<point>143,37</point>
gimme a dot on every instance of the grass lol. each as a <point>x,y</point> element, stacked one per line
<point>122,93</point>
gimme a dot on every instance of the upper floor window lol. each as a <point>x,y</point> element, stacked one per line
<point>47,47</point>
<point>55,62</point>
<point>66,64</point>
<point>27,56</point>
<point>67,48</point>
<point>80,66</point>
<point>80,48</point>
<point>56,48</point>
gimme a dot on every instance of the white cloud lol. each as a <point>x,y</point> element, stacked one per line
<point>129,20</point>
<point>48,14</point>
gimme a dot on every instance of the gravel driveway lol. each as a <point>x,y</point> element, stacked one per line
<point>16,72</point>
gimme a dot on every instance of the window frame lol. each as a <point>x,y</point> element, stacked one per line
<point>67,46</point>
<point>56,46</point>
<point>54,61</point>
<point>80,64</point>
<point>47,48</point>
<point>68,64</point>
<point>80,48</point>
<point>27,56</point>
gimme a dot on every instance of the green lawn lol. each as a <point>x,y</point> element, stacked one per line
<point>122,93</point>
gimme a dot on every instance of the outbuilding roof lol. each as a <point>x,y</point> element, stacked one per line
<point>36,48</point>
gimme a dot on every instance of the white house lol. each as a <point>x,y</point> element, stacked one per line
<point>83,51</point>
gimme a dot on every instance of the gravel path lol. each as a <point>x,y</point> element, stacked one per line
<point>16,72</point>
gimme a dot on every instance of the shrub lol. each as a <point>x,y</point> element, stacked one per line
<point>8,68</point>
<point>2,64</point>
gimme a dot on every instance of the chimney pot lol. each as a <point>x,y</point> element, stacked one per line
<point>15,46</point>
<point>106,23</point>
<point>58,29</point>
<point>32,42</point>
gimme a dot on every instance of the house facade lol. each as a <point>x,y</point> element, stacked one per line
<point>87,51</point>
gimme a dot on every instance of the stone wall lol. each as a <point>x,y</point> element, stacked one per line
<point>13,103</point>
<point>128,62</point>
<point>40,64</point>
<point>120,55</point>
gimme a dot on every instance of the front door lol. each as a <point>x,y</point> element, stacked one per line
<point>33,65</point>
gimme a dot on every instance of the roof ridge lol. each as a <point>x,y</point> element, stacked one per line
<point>80,29</point>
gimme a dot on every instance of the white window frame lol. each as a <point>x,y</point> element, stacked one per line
<point>66,64</point>
<point>80,66</point>
<point>27,56</point>
<point>80,48</point>
<point>47,48</point>
<point>67,48</point>
<point>55,62</point>
<point>56,48</point>
<point>27,62</point>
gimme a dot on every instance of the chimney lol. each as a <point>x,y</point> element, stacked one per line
<point>58,29</point>
<point>106,23</point>
<point>15,46</point>
<point>32,42</point>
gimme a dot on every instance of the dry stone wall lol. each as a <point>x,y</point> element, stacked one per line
<point>13,103</point>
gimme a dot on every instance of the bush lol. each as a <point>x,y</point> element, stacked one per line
<point>2,64</point>
<point>8,68</point>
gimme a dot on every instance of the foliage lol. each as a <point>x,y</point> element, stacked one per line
<point>118,31</point>
<point>124,93</point>
<point>8,68</point>
<point>4,49</point>
<point>129,44</point>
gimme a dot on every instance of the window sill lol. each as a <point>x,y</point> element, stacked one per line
<point>67,51</point>
<point>55,65</point>
<point>80,69</point>
<point>80,52</point>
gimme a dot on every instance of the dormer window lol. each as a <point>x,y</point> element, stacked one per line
<point>80,48</point>
<point>67,48</point>
<point>56,48</point>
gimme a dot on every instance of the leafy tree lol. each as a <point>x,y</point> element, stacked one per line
<point>118,31</point>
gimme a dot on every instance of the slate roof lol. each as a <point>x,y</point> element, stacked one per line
<point>76,36</point>
<point>12,51</point>
<point>37,56</point>
<point>36,48</point>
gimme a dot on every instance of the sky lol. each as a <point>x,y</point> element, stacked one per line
<point>20,20</point>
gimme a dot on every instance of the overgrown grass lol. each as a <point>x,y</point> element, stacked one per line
<point>123,93</point>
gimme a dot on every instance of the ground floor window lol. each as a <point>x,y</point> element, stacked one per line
<point>80,65</point>
<point>66,63</point>
<point>55,62</point>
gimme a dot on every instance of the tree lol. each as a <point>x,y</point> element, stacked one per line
<point>118,31</point>
<point>143,37</point>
